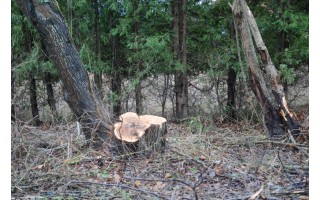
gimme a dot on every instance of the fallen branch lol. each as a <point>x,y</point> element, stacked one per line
<point>257,194</point>
<point>271,142</point>
<point>304,192</point>
<point>118,185</point>
<point>161,180</point>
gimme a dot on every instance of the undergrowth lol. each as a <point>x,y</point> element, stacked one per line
<point>202,160</point>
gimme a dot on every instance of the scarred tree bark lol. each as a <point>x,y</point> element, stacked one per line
<point>49,22</point>
<point>267,89</point>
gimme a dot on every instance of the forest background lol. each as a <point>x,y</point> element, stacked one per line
<point>5,83</point>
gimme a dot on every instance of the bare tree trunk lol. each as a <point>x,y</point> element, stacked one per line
<point>183,107</point>
<point>180,55</point>
<point>217,93</point>
<point>116,77</point>
<point>268,91</point>
<point>33,100</point>
<point>138,88</point>
<point>138,95</point>
<point>54,34</point>
<point>164,94</point>
<point>13,111</point>
<point>97,75</point>
<point>50,95</point>
<point>231,103</point>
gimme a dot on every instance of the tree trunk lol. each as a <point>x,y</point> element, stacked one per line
<point>164,94</point>
<point>268,91</point>
<point>116,79</point>
<point>97,75</point>
<point>217,86</point>
<point>116,91</point>
<point>231,103</point>
<point>138,88</point>
<point>138,94</point>
<point>33,100</point>
<point>54,34</point>
<point>180,56</point>
<point>13,111</point>
<point>50,95</point>
<point>283,41</point>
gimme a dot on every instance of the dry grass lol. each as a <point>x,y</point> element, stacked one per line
<point>226,162</point>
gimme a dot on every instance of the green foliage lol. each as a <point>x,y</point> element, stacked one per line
<point>25,60</point>
<point>195,125</point>
<point>211,45</point>
<point>284,27</point>
<point>34,64</point>
<point>287,74</point>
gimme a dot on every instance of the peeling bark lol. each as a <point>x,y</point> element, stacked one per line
<point>267,88</point>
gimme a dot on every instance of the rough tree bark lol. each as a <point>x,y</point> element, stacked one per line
<point>180,55</point>
<point>49,22</point>
<point>267,89</point>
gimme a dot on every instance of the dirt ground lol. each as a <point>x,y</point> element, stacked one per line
<point>211,161</point>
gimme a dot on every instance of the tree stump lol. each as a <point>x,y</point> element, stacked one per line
<point>143,134</point>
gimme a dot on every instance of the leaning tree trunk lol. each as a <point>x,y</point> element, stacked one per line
<point>53,30</point>
<point>268,90</point>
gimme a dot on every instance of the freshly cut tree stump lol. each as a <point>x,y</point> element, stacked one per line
<point>145,133</point>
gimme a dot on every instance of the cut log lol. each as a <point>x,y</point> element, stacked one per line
<point>144,133</point>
